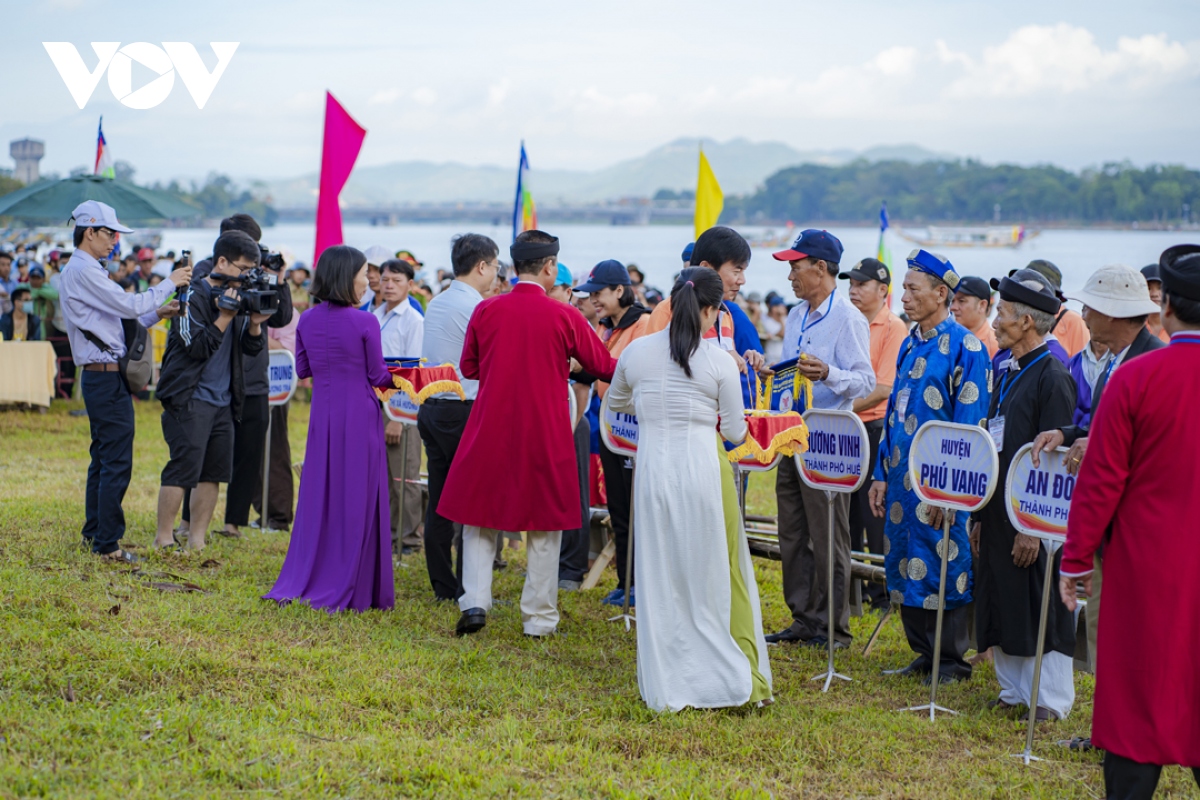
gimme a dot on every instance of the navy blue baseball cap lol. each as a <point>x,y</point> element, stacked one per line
<point>605,274</point>
<point>687,252</point>
<point>813,243</point>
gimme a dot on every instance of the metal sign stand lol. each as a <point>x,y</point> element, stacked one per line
<point>265,517</point>
<point>1027,754</point>
<point>932,707</point>
<point>625,615</point>
<point>830,673</point>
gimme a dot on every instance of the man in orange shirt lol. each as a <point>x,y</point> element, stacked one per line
<point>1070,330</point>
<point>870,281</point>
<point>971,305</point>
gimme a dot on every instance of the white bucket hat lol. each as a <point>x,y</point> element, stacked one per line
<point>377,255</point>
<point>1117,291</point>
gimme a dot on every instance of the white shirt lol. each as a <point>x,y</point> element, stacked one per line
<point>93,302</point>
<point>401,330</point>
<point>446,321</point>
<point>838,334</point>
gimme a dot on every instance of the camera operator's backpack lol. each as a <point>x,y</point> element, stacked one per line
<point>137,365</point>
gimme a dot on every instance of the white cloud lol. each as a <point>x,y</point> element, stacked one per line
<point>424,96</point>
<point>384,97</point>
<point>896,60</point>
<point>1063,58</point>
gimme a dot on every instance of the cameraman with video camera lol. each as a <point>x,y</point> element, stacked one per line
<point>202,386</point>
<point>249,432</point>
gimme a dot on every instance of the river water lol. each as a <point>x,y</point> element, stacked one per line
<point>656,249</point>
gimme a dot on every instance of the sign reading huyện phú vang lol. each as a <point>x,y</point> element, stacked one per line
<point>838,455</point>
<point>421,383</point>
<point>618,431</point>
<point>281,377</point>
<point>953,466</point>
<point>1039,498</point>
<point>769,437</point>
<point>786,389</point>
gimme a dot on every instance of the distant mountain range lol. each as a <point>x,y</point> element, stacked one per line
<point>740,166</point>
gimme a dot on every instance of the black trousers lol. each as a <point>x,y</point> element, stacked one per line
<point>920,626</point>
<point>863,521</point>
<point>441,424</point>
<point>1126,779</point>
<point>282,497</point>
<point>110,415</point>
<point>573,551</point>
<point>618,484</point>
<point>249,439</point>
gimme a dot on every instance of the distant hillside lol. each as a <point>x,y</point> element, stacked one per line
<point>741,167</point>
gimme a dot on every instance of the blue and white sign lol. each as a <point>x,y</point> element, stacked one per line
<point>837,457</point>
<point>619,431</point>
<point>401,408</point>
<point>281,377</point>
<point>953,466</point>
<point>1039,498</point>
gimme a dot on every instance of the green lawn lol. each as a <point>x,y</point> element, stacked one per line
<point>112,687</point>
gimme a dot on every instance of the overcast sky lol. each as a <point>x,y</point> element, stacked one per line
<point>589,84</point>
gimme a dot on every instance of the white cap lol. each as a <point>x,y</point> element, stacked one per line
<point>163,269</point>
<point>1117,291</point>
<point>377,255</point>
<point>94,214</point>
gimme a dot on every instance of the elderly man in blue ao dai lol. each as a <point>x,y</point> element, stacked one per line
<point>943,373</point>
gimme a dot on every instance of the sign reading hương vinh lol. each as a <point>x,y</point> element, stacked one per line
<point>619,431</point>
<point>837,457</point>
<point>1039,498</point>
<point>953,466</point>
<point>281,377</point>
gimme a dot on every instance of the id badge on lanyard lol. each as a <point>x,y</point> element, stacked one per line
<point>996,429</point>
<point>902,404</point>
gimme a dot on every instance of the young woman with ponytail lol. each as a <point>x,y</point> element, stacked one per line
<point>700,640</point>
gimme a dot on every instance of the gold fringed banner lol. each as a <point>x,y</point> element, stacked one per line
<point>770,434</point>
<point>421,383</point>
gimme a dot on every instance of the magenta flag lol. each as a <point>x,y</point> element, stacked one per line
<point>343,140</point>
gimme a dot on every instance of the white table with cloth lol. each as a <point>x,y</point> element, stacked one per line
<point>27,372</point>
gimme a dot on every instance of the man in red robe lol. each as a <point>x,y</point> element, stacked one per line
<point>1136,496</point>
<point>515,467</point>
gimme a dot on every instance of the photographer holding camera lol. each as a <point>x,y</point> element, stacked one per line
<point>249,432</point>
<point>202,385</point>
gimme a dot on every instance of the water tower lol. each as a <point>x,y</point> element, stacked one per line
<point>27,153</point>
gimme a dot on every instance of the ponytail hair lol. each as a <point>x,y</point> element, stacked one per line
<point>697,288</point>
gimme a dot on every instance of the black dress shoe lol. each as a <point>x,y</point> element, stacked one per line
<point>471,621</point>
<point>945,678</point>
<point>917,667</point>
<point>785,635</point>
<point>820,642</point>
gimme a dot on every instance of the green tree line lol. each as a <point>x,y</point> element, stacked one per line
<point>219,197</point>
<point>941,191</point>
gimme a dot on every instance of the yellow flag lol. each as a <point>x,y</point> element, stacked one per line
<point>709,199</point>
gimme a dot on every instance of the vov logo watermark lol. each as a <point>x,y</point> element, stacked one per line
<point>164,61</point>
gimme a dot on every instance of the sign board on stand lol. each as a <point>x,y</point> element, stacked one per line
<point>401,408</point>
<point>1039,498</point>
<point>281,376</point>
<point>836,462</point>
<point>619,432</point>
<point>954,467</point>
<point>838,454</point>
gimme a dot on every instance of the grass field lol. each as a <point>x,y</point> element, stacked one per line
<point>113,687</point>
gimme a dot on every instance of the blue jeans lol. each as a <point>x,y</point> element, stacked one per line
<point>110,414</point>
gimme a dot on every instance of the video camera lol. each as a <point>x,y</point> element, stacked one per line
<point>269,260</point>
<point>255,295</point>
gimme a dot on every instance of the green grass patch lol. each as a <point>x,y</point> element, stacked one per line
<point>110,687</point>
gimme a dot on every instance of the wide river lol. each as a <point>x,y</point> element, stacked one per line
<point>656,249</point>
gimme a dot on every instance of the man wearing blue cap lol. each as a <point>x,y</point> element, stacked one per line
<point>93,308</point>
<point>943,374</point>
<point>833,342</point>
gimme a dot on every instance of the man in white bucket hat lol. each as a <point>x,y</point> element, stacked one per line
<point>1116,301</point>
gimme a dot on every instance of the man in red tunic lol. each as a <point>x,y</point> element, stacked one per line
<point>1136,497</point>
<point>515,468</point>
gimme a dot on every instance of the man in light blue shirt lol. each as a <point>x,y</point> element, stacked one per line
<point>442,418</point>
<point>93,302</point>
<point>835,340</point>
